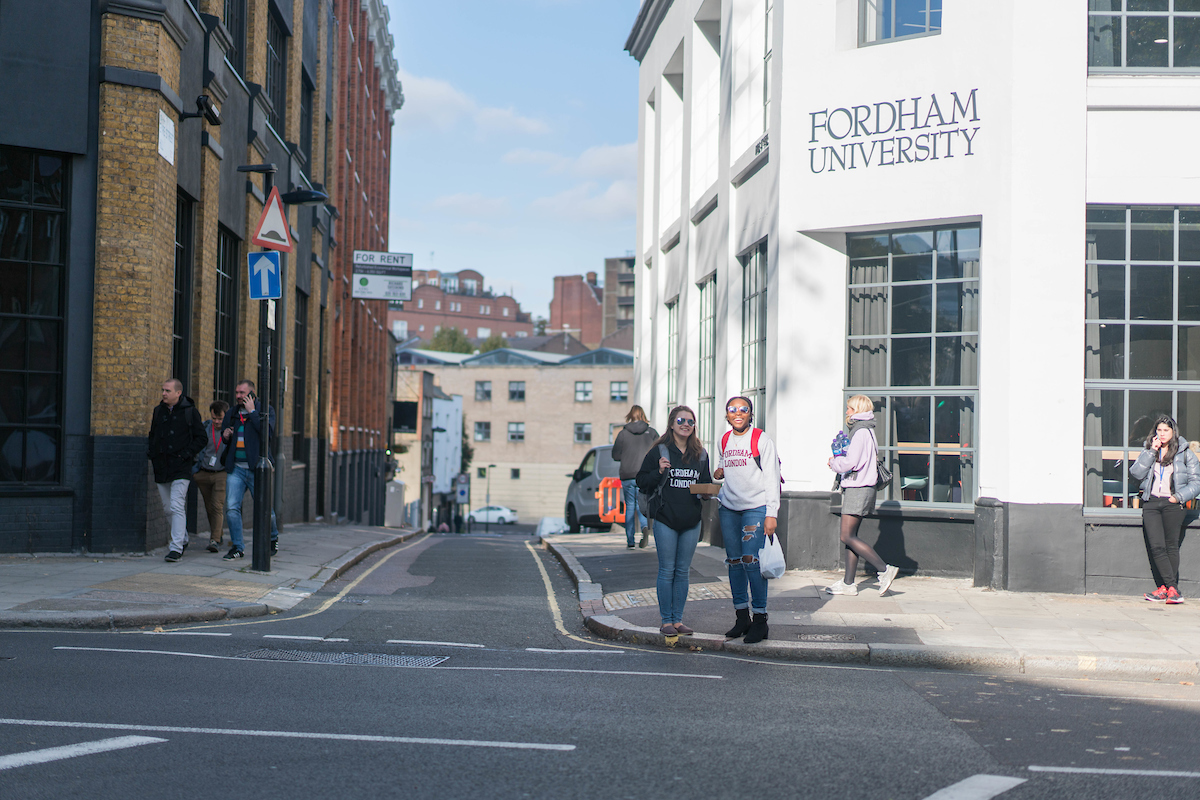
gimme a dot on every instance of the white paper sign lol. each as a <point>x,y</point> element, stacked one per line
<point>166,137</point>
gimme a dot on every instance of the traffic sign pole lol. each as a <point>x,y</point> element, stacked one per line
<point>261,553</point>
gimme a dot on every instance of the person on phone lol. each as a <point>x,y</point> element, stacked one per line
<point>209,474</point>
<point>176,436</point>
<point>749,510</point>
<point>629,450</point>
<point>859,471</point>
<point>676,462</point>
<point>1170,476</point>
<point>244,437</point>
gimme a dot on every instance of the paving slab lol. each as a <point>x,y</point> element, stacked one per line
<point>923,622</point>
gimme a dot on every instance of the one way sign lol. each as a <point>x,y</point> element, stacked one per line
<point>264,275</point>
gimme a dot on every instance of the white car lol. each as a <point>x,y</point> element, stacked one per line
<point>495,515</point>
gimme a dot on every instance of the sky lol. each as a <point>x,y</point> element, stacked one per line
<point>515,153</point>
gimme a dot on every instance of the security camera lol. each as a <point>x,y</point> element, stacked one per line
<point>206,109</point>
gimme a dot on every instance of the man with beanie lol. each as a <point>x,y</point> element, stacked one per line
<point>630,448</point>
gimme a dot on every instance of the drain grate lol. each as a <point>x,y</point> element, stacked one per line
<point>358,601</point>
<point>367,659</point>
<point>827,637</point>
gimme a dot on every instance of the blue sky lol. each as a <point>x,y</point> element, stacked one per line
<point>516,151</point>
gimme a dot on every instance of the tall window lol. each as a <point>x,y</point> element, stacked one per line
<point>707,346</point>
<point>181,334</point>
<point>483,431</point>
<point>769,32</point>
<point>882,20</point>
<point>751,54</point>
<point>276,84</point>
<point>1143,339</point>
<point>300,380</point>
<point>672,354</point>
<point>306,123</point>
<point>1143,35</point>
<point>754,327</point>
<point>235,23</point>
<point>913,346</point>
<point>225,335</point>
<point>33,191</point>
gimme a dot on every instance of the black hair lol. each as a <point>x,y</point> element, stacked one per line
<point>1168,452</point>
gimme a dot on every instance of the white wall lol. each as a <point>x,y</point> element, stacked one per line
<point>447,442</point>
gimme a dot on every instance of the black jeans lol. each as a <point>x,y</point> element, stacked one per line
<point>1162,522</point>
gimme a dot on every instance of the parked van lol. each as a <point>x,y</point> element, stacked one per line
<point>582,508</point>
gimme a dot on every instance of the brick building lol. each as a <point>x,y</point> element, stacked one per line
<point>368,93</point>
<point>578,307</point>
<point>619,302</point>
<point>459,300</point>
<point>124,228</point>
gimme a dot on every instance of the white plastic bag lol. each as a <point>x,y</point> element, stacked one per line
<point>770,559</point>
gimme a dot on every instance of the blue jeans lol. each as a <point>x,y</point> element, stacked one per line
<point>634,521</point>
<point>744,537</point>
<point>238,482</point>
<point>675,550</point>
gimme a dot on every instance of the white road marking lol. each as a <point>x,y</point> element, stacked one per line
<point>977,787</point>
<point>341,737</point>
<point>1150,773</point>
<point>1136,699</point>
<point>433,669</point>
<point>183,633</point>
<point>73,750</point>
<point>552,650</point>
<point>301,638</point>
<point>438,644</point>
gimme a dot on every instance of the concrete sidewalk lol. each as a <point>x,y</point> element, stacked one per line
<point>941,623</point>
<point>132,590</point>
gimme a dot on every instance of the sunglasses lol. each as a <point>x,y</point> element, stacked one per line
<point>685,421</point>
<point>738,409</point>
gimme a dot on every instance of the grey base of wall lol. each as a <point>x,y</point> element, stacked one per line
<point>1044,547</point>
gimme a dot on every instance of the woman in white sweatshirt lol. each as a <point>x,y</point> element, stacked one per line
<point>749,501</point>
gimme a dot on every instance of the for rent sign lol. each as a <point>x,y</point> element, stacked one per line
<point>382,276</point>
<point>894,132</point>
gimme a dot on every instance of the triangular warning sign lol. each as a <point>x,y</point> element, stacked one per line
<point>272,229</point>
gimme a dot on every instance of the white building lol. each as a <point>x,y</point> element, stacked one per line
<point>977,213</point>
<point>447,443</point>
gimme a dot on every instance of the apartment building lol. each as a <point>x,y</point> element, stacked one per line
<point>457,300</point>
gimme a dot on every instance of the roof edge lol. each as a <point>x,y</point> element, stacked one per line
<point>649,17</point>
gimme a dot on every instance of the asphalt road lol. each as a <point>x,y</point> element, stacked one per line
<point>443,668</point>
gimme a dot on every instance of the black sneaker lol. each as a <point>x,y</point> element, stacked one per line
<point>174,556</point>
<point>213,547</point>
<point>274,546</point>
<point>185,544</point>
<point>234,552</point>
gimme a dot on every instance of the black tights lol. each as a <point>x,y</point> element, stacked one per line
<point>856,547</point>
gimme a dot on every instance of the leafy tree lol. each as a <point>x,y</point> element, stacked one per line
<point>451,340</point>
<point>493,342</point>
<point>539,326</point>
<point>468,452</point>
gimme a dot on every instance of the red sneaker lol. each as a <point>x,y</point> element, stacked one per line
<point>1173,597</point>
<point>1159,595</point>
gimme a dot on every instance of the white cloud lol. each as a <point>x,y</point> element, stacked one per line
<point>586,202</point>
<point>435,103</point>
<point>472,205</point>
<point>603,162</point>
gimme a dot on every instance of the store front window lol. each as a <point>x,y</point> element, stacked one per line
<point>1143,35</point>
<point>913,347</point>
<point>1142,356</point>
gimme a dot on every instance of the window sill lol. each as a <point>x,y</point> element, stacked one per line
<point>1142,91</point>
<point>705,205</point>
<point>751,161</point>
<point>671,237</point>
<point>910,510</point>
<point>890,39</point>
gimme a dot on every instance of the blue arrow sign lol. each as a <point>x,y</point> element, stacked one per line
<point>264,275</point>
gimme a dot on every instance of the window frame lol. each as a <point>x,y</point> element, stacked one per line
<point>275,83</point>
<point>864,41</point>
<point>515,394</point>
<point>583,391</point>
<point>225,335</point>
<point>754,326</point>
<point>300,378</point>
<point>583,433</point>
<point>516,432</point>
<point>483,391</point>
<point>1124,14</point>
<point>618,395</point>
<point>483,431</point>
<point>706,367</point>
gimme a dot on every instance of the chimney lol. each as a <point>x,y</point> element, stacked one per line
<point>591,278</point>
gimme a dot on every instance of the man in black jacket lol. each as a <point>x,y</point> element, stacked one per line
<point>176,436</point>
<point>245,439</point>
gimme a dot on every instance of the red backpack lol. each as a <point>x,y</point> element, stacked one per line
<point>755,433</point>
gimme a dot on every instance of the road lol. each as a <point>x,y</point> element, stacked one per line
<point>458,666</point>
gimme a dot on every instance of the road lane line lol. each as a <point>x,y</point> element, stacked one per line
<point>339,737</point>
<point>183,633</point>
<point>439,644</point>
<point>300,638</point>
<point>1135,699</point>
<point>432,669</point>
<point>977,787</point>
<point>1149,773</point>
<point>74,750</point>
<point>553,602</point>
<point>552,650</point>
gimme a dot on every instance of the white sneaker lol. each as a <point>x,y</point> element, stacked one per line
<point>841,587</point>
<point>886,577</point>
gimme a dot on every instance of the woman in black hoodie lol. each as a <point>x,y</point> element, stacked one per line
<point>676,462</point>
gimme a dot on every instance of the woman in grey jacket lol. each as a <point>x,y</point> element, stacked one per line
<point>1170,476</point>
<point>629,449</point>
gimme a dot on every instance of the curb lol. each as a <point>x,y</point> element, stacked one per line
<point>1004,661</point>
<point>212,612</point>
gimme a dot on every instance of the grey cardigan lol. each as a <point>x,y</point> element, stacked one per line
<point>1185,480</point>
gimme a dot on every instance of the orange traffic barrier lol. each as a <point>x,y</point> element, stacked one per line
<point>612,506</point>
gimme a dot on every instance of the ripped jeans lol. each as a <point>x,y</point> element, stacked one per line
<point>744,537</point>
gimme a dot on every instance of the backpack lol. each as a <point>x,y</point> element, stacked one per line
<point>650,504</point>
<point>755,433</point>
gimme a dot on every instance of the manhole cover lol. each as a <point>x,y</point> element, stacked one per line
<point>367,659</point>
<point>827,637</point>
